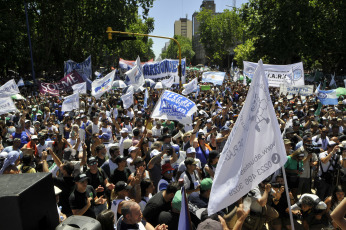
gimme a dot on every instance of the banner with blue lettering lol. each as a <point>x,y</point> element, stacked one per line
<point>9,88</point>
<point>164,69</point>
<point>135,76</point>
<point>100,86</point>
<point>303,90</point>
<point>327,97</point>
<point>173,106</point>
<point>213,77</point>
<point>7,105</point>
<point>82,68</point>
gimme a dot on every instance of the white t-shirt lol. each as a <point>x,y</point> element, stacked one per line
<point>95,128</point>
<point>194,177</point>
<point>156,131</point>
<point>335,159</point>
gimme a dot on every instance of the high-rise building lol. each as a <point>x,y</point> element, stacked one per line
<point>183,27</point>
<point>200,57</point>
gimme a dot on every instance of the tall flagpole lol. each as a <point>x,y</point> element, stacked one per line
<point>28,28</point>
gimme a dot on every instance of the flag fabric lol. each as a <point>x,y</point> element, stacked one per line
<point>213,77</point>
<point>70,102</point>
<point>83,68</point>
<point>332,81</point>
<point>7,105</point>
<point>135,75</point>
<point>127,99</point>
<point>18,97</point>
<point>167,83</point>
<point>98,75</point>
<point>146,96</point>
<point>197,92</point>
<point>173,106</point>
<point>100,86</point>
<point>190,87</point>
<point>8,89</point>
<point>327,97</point>
<point>253,151</point>
<point>20,82</point>
<point>80,88</point>
<point>184,217</point>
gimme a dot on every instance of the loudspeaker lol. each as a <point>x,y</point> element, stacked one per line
<point>27,202</point>
<point>79,222</point>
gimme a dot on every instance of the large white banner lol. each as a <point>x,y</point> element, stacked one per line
<point>253,151</point>
<point>305,90</point>
<point>190,87</point>
<point>7,105</point>
<point>9,88</point>
<point>80,88</point>
<point>164,69</point>
<point>102,85</point>
<point>135,76</point>
<point>292,74</point>
<point>173,106</point>
<point>70,102</point>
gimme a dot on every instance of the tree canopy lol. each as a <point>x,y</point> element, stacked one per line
<point>186,49</point>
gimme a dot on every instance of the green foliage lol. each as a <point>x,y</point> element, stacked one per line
<point>219,33</point>
<point>66,29</point>
<point>186,49</point>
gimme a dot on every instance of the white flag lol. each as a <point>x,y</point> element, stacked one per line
<point>7,105</point>
<point>70,102</point>
<point>102,85</point>
<point>80,88</point>
<point>332,81</point>
<point>135,75</point>
<point>127,99</point>
<point>190,87</point>
<point>167,83</point>
<point>253,151</point>
<point>20,82</point>
<point>9,88</point>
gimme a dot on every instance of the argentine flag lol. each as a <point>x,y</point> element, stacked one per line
<point>327,97</point>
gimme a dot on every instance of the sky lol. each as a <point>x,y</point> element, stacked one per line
<point>165,12</point>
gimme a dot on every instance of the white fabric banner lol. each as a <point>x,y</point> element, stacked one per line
<point>254,149</point>
<point>190,87</point>
<point>304,90</point>
<point>167,83</point>
<point>70,102</point>
<point>135,75</point>
<point>292,74</point>
<point>80,88</point>
<point>127,99</point>
<point>102,85</point>
<point>9,88</point>
<point>173,106</point>
<point>7,105</point>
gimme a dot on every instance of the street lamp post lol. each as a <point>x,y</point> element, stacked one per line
<point>110,32</point>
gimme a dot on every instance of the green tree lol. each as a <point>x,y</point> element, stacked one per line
<point>186,49</point>
<point>219,33</point>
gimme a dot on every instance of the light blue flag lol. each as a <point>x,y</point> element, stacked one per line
<point>327,97</point>
<point>146,96</point>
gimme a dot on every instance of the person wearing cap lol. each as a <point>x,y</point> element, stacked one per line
<point>167,177</point>
<point>28,128</point>
<point>330,161</point>
<point>133,154</point>
<point>190,152</point>
<point>32,144</point>
<point>124,136</point>
<point>98,179</point>
<point>190,177</point>
<point>119,196</point>
<point>83,199</point>
<point>201,199</point>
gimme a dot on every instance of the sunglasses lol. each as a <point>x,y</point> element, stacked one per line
<point>169,172</point>
<point>93,163</point>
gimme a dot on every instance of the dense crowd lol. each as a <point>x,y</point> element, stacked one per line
<point>126,170</point>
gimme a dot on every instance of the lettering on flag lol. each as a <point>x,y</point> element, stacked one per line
<point>7,105</point>
<point>102,85</point>
<point>83,68</point>
<point>303,90</point>
<point>254,149</point>
<point>9,88</point>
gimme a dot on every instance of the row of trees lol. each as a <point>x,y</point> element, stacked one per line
<point>62,30</point>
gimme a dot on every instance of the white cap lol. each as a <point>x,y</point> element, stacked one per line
<point>154,153</point>
<point>132,148</point>
<point>124,130</point>
<point>191,150</point>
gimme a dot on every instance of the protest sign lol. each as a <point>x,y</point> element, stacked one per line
<point>164,69</point>
<point>62,86</point>
<point>304,90</point>
<point>213,77</point>
<point>254,149</point>
<point>80,88</point>
<point>7,105</point>
<point>83,68</point>
<point>127,65</point>
<point>102,85</point>
<point>292,74</point>
<point>9,88</point>
<point>70,102</point>
<point>327,97</point>
<point>173,106</point>
<point>190,87</point>
<point>135,76</point>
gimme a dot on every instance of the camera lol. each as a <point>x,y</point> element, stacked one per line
<point>312,149</point>
<point>275,185</point>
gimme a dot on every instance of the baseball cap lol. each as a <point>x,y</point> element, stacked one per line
<point>124,130</point>
<point>26,121</point>
<point>119,159</point>
<point>287,141</point>
<point>224,128</point>
<point>176,202</point>
<point>190,161</point>
<point>331,143</point>
<point>80,177</point>
<point>92,160</point>
<point>132,148</point>
<point>121,185</point>
<point>127,143</point>
<point>191,150</point>
<point>154,153</point>
<point>166,167</point>
<point>34,137</point>
<point>206,184</point>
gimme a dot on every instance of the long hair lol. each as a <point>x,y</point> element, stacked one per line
<point>106,218</point>
<point>334,198</point>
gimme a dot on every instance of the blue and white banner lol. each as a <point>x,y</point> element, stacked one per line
<point>146,96</point>
<point>292,74</point>
<point>127,99</point>
<point>80,88</point>
<point>304,90</point>
<point>254,149</point>
<point>327,97</point>
<point>20,82</point>
<point>135,76</point>
<point>164,69</point>
<point>173,106</point>
<point>190,87</point>
<point>7,105</point>
<point>100,86</point>
<point>8,89</point>
<point>213,77</point>
<point>70,102</point>
<point>83,69</point>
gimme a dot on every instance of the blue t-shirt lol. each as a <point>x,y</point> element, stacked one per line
<point>201,157</point>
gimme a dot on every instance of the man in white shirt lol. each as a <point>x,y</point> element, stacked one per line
<point>124,135</point>
<point>322,140</point>
<point>95,125</point>
<point>157,129</point>
<point>190,177</point>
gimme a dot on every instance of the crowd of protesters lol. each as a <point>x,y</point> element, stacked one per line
<point>127,170</point>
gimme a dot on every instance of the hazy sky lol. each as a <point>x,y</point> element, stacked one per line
<point>165,12</point>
